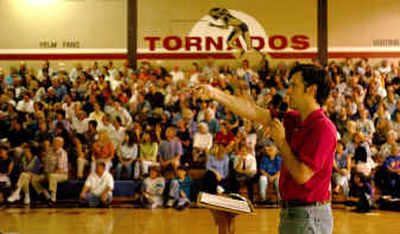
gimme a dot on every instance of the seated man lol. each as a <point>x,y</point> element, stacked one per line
<point>98,187</point>
<point>55,170</point>
<point>6,167</point>
<point>170,150</point>
<point>269,170</point>
<point>30,166</point>
<point>391,167</point>
<point>245,169</point>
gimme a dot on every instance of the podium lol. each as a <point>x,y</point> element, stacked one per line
<point>231,203</point>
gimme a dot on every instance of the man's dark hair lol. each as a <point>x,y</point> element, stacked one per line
<point>314,75</point>
<point>93,123</point>
<point>62,113</point>
<point>360,154</point>
<point>340,142</point>
<point>183,168</point>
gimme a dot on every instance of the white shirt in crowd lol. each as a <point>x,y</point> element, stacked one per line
<point>365,167</point>
<point>177,76</point>
<point>251,141</point>
<point>26,107</point>
<point>240,72</point>
<point>117,136</point>
<point>202,141</point>
<point>96,116</point>
<point>121,112</point>
<point>69,110</point>
<point>128,152</point>
<point>109,128</point>
<point>80,126</point>
<point>194,79</point>
<point>97,184</point>
<point>250,163</point>
<point>114,83</point>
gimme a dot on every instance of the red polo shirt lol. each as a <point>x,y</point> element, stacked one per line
<point>313,142</point>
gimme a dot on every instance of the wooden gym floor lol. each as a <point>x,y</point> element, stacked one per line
<point>191,221</point>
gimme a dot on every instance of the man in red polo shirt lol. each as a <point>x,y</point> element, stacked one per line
<point>306,141</point>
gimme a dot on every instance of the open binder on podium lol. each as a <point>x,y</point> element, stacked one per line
<point>233,203</point>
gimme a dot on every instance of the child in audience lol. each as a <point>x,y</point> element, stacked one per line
<point>341,170</point>
<point>153,189</point>
<point>361,193</point>
<point>179,192</point>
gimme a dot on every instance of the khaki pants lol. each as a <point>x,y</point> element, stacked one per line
<point>23,182</point>
<point>53,179</point>
<point>81,163</point>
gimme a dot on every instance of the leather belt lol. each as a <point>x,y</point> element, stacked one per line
<point>291,204</point>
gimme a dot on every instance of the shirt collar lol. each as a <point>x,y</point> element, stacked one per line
<point>313,116</point>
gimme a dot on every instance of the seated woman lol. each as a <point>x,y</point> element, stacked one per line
<point>148,149</point>
<point>127,154</point>
<point>202,143</point>
<point>341,170</point>
<point>102,151</point>
<point>225,136</point>
<point>217,174</point>
<point>31,166</point>
<point>362,163</point>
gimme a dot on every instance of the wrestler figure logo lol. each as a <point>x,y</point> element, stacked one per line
<point>238,28</point>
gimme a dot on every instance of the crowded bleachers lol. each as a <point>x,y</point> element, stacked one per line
<point>159,144</point>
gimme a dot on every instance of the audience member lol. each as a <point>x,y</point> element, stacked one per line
<point>153,189</point>
<point>31,166</point>
<point>98,187</point>
<point>127,155</point>
<point>147,155</point>
<point>179,192</point>
<point>269,170</point>
<point>55,170</point>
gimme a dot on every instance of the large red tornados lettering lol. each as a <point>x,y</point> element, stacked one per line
<point>207,43</point>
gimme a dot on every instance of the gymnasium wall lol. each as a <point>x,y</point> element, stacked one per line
<point>174,30</point>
